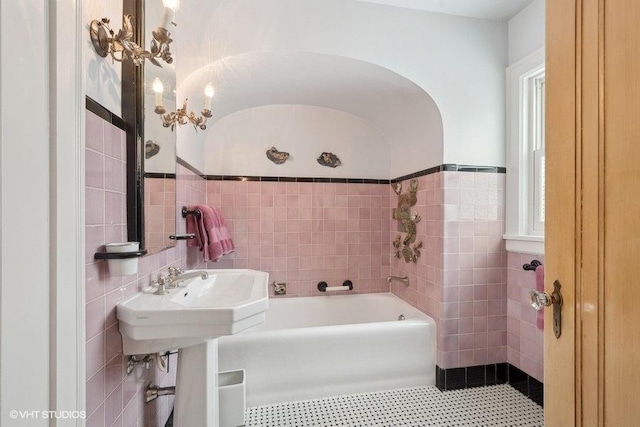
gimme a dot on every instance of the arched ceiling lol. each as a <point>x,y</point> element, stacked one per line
<point>383,64</point>
<point>391,105</point>
<point>267,78</point>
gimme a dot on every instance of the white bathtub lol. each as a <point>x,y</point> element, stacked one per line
<point>316,347</point>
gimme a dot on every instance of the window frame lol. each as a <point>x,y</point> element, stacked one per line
<point>524,229</point>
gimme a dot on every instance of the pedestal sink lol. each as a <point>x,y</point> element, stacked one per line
<point>190,318</point>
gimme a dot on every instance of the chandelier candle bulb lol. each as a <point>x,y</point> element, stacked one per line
<point>158,89</point>
<point>170,7</point>
<point>208,95</point>
<point>171,4</point>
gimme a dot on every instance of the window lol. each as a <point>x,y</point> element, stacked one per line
<point>536,149</point>
<point>525,191</point>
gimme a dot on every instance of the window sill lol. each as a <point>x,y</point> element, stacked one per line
<point>525,244</point>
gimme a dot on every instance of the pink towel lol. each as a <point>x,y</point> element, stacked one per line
<point>540,288</point>
<point>212,234</point>
<point>196,226</point>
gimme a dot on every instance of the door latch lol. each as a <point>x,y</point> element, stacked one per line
<point>540,300</point>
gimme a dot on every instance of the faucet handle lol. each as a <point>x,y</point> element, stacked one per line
<point>161,286</point>
<point>174,271</point>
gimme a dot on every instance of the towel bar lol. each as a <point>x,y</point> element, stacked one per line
<point>187,236</point>
<point>347,285</point>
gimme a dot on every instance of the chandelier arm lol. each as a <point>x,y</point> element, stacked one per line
<point>107,42</point>
<point>183,116</point>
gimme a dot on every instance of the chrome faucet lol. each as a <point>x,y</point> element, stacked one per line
<point>173,279</point>
<point>404,279</point>
<point>177,275</point>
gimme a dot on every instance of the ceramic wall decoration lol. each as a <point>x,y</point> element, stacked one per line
<point>277,157</point>
<point>150,149</point>
<point>407,247</point>
<point>329,159</point>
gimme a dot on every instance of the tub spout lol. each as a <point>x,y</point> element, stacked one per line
<point>404,279</point>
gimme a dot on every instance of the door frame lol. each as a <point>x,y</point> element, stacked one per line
<point>68,34</point>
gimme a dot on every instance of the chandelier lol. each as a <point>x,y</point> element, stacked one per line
<point>182,116</point>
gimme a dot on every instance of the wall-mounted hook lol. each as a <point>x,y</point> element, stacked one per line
<point>531,267</point>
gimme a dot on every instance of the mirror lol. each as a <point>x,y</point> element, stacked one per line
<point>159,145</point>
<point>151,156</point>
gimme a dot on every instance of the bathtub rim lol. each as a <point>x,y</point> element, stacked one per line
<point>417,316</point>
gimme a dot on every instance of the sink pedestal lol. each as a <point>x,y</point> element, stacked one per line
<point>226,302</point>
<point>196,401</point>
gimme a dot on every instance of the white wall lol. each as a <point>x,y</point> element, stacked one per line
<point>458,61</point>
<point>24,202</point>
<point>103,77</point>
<point>237,144</point>
<point>190,145</point>
<point>526,31</point>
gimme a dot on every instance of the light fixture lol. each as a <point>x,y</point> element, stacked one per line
<point>182,116</point>
<point>121,45</point>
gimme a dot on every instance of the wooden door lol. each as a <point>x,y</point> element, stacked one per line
<point>593,211</point>
<point>621,213</point>
<point>562,209</point>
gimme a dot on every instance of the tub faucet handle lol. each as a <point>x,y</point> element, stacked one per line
<point>280,288</point>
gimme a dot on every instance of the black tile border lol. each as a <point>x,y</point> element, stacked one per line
<point>451,168</point>
<point>492,374</point>
<point>482,169</point>
<point>295,179</point>
<point>159,175</point>
<point>472,376</point>
<point>424,172</point>
<point>104,113</point>
<point>441,168</point>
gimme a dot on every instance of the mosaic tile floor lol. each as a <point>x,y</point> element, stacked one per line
<point>499,405</point>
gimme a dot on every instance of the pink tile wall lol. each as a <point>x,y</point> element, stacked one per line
<point>460,279</point>
<point>524,340</point>
<point>191,189</point>
<point>304,233</point>
<point>474,269</point>
<point>159,212</point>
<point>114,398</point>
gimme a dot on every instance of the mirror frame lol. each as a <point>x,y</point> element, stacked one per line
<point>133,115</point>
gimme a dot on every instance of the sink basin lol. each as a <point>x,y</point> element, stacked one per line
<point>226,303</point>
